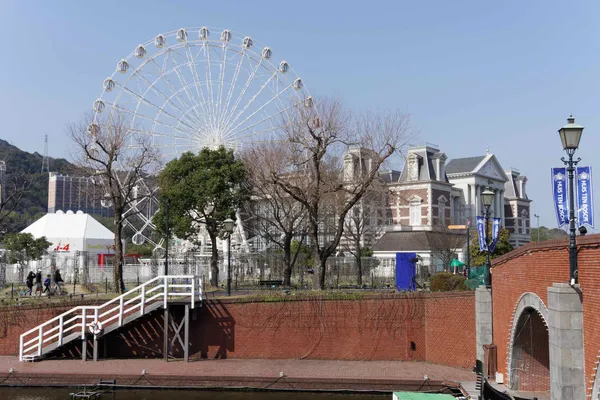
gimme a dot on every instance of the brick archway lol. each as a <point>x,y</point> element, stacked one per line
<point>526,356</point>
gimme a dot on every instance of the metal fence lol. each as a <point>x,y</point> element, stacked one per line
<point>247,270</point>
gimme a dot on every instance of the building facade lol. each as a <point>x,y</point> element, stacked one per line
<point>432,192</point>
<point>75,193</point>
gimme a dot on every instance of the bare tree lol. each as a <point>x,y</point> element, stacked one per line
<point>327,175</point>
<point>444,244</point>
<point>363,224</point>
<point>275,214</point>
<point>118,157</point>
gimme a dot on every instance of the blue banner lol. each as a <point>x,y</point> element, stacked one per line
<point>495,234</point>
<point>584,198</point>
<point>481,234</point>
<point>559,196</point>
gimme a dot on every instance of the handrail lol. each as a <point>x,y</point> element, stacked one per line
<point>76,320</point>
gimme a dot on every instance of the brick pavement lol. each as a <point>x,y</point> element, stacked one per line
<point>237,367</point>
<point>369,375</point>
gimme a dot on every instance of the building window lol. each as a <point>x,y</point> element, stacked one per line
<point>442,210</point>
<point>415,213</point>
<point>524,222</point>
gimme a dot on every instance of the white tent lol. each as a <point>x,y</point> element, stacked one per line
<point>70,232</point>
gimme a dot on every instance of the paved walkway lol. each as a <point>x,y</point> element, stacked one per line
<point>345,374</point>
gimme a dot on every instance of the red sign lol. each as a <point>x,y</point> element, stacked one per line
<point>62,249</point>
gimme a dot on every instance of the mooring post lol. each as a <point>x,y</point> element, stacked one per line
<point>166,334</point>
<point>95,348</point>
<point>84,349</point>
<point>186,333</point>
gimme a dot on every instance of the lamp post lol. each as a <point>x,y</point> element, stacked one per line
<point>167,239</point>
<point>487,197</point>
<point>538,226</point>
<point>228,229</point>
<point>570,135</point>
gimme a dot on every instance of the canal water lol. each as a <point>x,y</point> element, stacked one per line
<point>63,394</point>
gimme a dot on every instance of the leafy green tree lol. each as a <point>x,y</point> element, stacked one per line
<point>366,252</point>
<point>547,234</point>
<point>202,190</point>
<point>447,282</point>
<point>23,247</point>
<point>502,247</point>
<point>144,249</point>
<point>304,252</point>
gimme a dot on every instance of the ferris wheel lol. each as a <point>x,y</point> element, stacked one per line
<point>194,88</point>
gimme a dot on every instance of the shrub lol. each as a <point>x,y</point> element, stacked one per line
<point>447,282</point>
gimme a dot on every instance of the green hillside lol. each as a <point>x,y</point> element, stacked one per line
<point>22,166</point>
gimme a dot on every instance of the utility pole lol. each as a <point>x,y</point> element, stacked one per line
<point>45,160</point>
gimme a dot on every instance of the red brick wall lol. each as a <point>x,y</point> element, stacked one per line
<point>375,329</point>
<point>533,268</point>
<point>441,325</point>
<point>16,320</point>
<point>450,329</point>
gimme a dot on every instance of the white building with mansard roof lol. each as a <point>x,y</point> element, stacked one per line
<point>431,193</point>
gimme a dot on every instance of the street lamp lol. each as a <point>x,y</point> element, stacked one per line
<point>167,238</point>
<point>228,230</point>
<point>538,226</point>
<point>570,135</point>
<point>487,197</point>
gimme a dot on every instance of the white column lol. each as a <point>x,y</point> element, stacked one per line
<point>496,203</point>
<point>468,195</point>
<point>502,207</point>
<point>477,200</point>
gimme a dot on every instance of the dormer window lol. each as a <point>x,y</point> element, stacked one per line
<point>413,167</point>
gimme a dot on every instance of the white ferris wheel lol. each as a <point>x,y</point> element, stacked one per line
<point>194,88</point>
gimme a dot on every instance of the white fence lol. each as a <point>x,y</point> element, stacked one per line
<point>247,270</point>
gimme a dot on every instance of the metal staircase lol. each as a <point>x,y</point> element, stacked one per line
<point>80,321</point>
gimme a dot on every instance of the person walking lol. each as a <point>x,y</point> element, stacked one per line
<point>38,282</point>
<point>57,281</point>
<point>47,283</point>
<point>29,282</point>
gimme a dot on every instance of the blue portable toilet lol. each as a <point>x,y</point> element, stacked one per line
<point>406,271</point>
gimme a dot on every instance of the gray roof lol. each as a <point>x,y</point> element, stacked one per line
<point>426,170</point>
<point>416,241</point>
<point>390,176</point>
<point>462,165</point>
<point>510,187</point>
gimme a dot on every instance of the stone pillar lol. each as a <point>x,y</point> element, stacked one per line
<point>565,334</point>
<point>483,322</point>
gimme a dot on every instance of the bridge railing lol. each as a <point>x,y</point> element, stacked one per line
<point>82,319</point>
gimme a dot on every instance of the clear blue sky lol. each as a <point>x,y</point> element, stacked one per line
<point>471,73</point>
